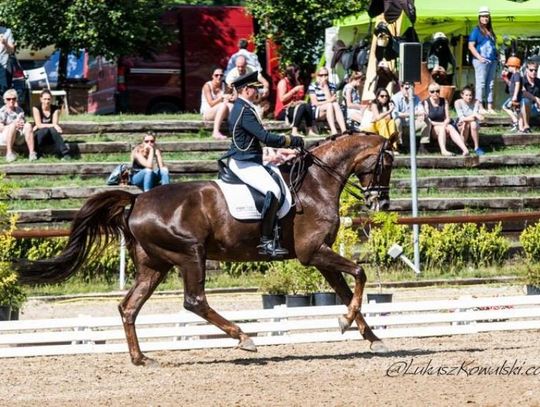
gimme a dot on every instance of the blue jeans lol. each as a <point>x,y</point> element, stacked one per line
<point>148,179</point>
<point>484,76</point>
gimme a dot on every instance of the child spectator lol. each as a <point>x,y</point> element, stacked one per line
<point>469,118</point>
<point>15,130</point>
<point>512,105</point>
<point>215,102</point>
<point>143,173</point>
<point>352,97</point>
<point>46,128</point>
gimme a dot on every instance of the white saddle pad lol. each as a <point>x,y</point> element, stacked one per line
<point>241,204</point>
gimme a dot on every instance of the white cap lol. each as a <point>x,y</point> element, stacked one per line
<point>484,11</point>
<point>438,35</point>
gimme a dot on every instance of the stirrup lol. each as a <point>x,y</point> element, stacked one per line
<point>272,248</point>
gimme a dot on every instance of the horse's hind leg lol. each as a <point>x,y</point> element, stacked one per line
<point>194,272</point>
<point>147,279</point>
<point>331,265</point>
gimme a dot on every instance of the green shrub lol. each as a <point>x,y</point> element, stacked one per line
<point>276,280</point>
<point>533,273</point>
<point>237,269</point>
<point>530,240</point>
<point>384,233</point>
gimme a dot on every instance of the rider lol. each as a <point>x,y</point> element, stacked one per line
<point>246,158</point>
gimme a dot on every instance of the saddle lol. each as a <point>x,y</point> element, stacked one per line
<point>245,202</point>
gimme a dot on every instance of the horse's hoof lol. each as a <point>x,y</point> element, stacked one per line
<point>147,362</point>
<point>344,324</point>
<point>378,347</point>
<point>247,345</point>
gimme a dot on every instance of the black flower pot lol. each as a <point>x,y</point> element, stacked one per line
<point>533,289</point>
<point>296,300</point>
<point>14,315</point>
<point>5,313</point>
<point>323,299</point>
<point>269,301</point>
<point>379,297</point>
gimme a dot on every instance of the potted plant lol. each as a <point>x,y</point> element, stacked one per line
<point>322,293</point>
<point>301,284</point>
<point>274,286</point>
<point>12,295</point>
<point>533,279</point>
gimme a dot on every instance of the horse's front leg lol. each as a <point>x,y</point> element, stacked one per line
<point>331,265</point>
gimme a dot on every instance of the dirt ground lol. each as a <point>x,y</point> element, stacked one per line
<point>479,370</point>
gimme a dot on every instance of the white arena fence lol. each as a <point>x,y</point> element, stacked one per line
<point>281,325</point>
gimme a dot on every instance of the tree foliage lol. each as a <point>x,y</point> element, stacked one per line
<point>103,27</point>
<point>297,26</point>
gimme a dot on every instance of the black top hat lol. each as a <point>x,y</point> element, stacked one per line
<point>249,79</point>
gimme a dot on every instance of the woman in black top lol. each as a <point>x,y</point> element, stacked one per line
<point>47,130</point>
<point>439,118</point>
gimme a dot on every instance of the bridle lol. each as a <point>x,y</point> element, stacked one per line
<point>371,193</point>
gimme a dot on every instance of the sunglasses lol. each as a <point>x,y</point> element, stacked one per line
<point>383,96</point>
<point>435,91</point>
<point>322,74</point>
<point>149,141</point>
<point>532,70</point>
<point>10,98</point>
<point>218,75</point>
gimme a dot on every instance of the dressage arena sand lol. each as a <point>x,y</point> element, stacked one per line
<point>334,374</point>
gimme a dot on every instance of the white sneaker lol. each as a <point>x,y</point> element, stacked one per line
<point>32,156</point>
<point>11,157</point>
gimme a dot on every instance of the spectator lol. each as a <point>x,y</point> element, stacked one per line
<point>251,57</point>
<point>322,94</point>
<point>215,102</point>
<point>483,49</point>
<point>512,105</point>
<point>46,128</point>
<point>15,130</point>
<point>379,118</point>
<point>241,69</point>
<point>143,173</point>
<point>401,114</point>
<point>468,118</point>
<point>290,104</point>
<point>439,117</point>
<point>7,47</point>
<point>530,104</point>
<point>352,97</point>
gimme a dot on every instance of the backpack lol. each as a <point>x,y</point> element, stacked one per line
<point>119,176</point>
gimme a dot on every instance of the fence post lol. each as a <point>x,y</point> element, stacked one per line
<point>122,276</point>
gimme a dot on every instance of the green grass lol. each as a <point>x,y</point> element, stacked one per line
<point>129,117</point>
<point>134,138</point>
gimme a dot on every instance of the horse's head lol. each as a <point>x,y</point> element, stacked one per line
<point>373,167</point>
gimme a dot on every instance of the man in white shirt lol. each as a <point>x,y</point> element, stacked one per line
<point>401,114</point>
<point>251,57</point>
<point>242,69</point>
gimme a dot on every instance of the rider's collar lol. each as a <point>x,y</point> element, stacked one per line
<point>250,104</point>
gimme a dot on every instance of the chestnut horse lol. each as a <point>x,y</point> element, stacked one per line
<point>187,223</point>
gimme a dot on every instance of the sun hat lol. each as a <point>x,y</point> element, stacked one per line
<point>484,11</point>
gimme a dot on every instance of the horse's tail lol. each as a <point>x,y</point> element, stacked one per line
<point>101,218</point>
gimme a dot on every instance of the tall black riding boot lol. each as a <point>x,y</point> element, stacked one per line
<point>270,244</point>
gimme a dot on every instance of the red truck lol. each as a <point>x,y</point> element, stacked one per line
<point>205,37</point>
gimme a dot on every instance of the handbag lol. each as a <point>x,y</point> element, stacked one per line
<point>119,175</point>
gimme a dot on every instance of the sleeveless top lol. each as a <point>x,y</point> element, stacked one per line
<point>204,103</point>
<point>46,119</point>
<point>436,113</point>
<point>298,96</point>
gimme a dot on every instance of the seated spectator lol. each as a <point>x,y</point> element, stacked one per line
<point>215,102</point>
<point>15,130</point>
<point>46,128</point>
<point>322,94</point>
<point>251,58</point>
<point>469,118</point>
<point>439,117</point>
<point>143,173</point>
<point>241,69</point>
<point>352,97</point>
<point>512,105</point>
<point>530,104</point>
<point>290,104</point>
<point>401,114</point>
<point>379,117</point>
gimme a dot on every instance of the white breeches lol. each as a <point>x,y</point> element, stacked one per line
<point>256,176</point>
